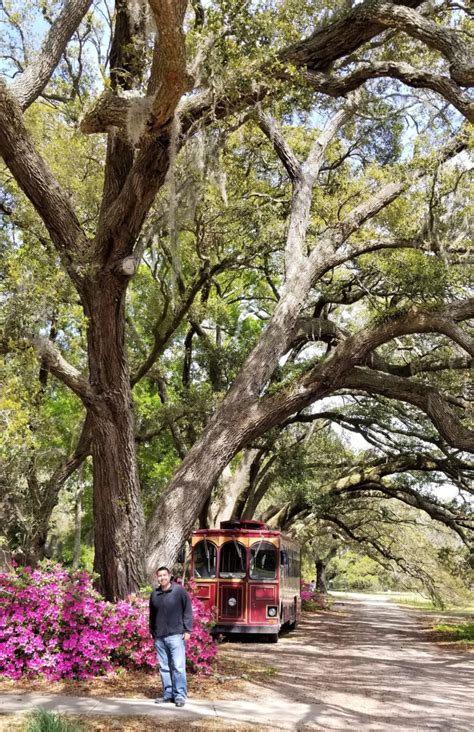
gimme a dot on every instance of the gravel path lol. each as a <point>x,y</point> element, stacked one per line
<point>368,667</point>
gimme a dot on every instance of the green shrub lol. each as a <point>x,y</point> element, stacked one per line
<point>457,632</point>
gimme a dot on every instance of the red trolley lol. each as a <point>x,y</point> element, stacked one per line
<point>250,574</point>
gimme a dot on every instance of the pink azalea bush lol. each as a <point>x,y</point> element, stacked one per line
<point>54,623</point>
<point>312,601</point>
<point>201,648</point>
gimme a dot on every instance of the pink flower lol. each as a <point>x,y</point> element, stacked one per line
<point>54,623</point>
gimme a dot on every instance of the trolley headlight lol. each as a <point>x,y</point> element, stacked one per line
<point>232,601</point>
<point>272,612</point>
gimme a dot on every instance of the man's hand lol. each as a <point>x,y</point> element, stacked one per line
<point>186,636</point>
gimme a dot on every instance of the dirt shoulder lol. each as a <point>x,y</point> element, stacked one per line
<point>15,723</point>
<point>432,622</point>
<point>229,681</point>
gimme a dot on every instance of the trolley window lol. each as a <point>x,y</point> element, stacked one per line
<point>232,560</point>
<point>204,560</point>
<point>263,561</point>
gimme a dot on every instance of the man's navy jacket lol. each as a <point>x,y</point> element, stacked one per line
<point>170,612</point>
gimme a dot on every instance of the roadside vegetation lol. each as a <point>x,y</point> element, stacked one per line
<point>457,632</point>
<point>417,601</point>
<point>41,720</point>
<point>54,624</point>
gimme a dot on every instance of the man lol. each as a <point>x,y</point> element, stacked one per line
<point>171,622</point>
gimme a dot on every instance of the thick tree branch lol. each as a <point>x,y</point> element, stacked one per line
<point>314,55</point>
<point>65,372</point>
<point>336,86</point>
<point>122,220</point>
<point>446,40</point>
<point>338,38</point>
<point>283,150</point>
<point>295,258</point>
<point>308,330</point>
<point>28,86</point>
<point>425,397</point>
<point>168,79</point>
<point>421,366</point>
<point>39,185</point>
<point>334,40</point>
<point>301,271</point>
<point>124,69</point>
<point>355,350</point>
<point>338,371</point>
<point>376,470</point>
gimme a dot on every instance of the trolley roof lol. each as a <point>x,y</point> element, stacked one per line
<point>246,527</point>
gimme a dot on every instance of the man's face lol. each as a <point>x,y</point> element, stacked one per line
<point>164,578</point>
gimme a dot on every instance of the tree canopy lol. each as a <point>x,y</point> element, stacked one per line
<point>226,225</point>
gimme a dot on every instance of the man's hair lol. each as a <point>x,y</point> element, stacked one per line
<point>161,569</point>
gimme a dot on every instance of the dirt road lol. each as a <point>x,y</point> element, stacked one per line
<point>368,666</point>
<point>371,666</point>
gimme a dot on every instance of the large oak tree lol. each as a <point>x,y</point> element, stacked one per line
<point>196,67</point>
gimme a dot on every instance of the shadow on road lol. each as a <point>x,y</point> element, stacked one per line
<point>369,667</point>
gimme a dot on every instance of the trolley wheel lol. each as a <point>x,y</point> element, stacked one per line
<point>293,624</point>
<point>272,638</point>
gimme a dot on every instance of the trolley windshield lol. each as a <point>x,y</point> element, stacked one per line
<point>263,561</point>
<point>233,560</point>
<point>204,560</point>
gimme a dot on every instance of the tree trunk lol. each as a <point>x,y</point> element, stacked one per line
<point>187,493</point>
<point>118,512</point>
<point>321,576</point>
<point>259,490</point>
<point>76,554</point>
<point>231,488</point>
<point>35,551</point>
<point>204,518</point>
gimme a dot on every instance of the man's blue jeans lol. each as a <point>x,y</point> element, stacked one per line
<point>171,654</point>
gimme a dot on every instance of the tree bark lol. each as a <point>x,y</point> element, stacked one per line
<point>321,576</point>
<point>231,488</point>
<point>118,512</point>
<point>76,554</point>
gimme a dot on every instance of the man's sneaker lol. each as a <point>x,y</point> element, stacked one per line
<point>180,702</point>
<point>163,700</point>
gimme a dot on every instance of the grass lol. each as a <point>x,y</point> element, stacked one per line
<point>463,632</point>
<point>419,602</point>
<point>424,603</point>
<point>42,721</point>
